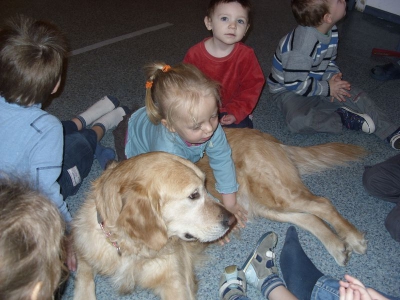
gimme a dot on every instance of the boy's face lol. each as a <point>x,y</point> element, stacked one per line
<point>337,10</point>
<point>229,22</point>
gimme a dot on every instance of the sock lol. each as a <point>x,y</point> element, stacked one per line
<point>298,271</point>
<point>100,108</point>
<point>270,283</point>
<point>104,155</point>
<point>111,119</point>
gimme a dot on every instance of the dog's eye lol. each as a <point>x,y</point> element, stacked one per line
<point>194,195</point>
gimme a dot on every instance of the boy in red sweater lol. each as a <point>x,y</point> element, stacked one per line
<point>225,59</point>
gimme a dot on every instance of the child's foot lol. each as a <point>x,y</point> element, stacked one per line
<point>232,282</point>
<point>100,108</point>
<point>111,119</point>
<point>389,71</point>
<point>356,121</point>
<point>104,155</point>
<point>394,139</point>
<point>261,263</point>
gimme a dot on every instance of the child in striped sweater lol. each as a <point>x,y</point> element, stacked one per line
<point>307,84</point>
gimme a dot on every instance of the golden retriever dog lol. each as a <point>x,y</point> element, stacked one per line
<point>145,222</point>
<point>268,173</point>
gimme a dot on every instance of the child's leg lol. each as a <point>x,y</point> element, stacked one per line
<point>383,180</point>
<point>100,127</point>
<point>100,108</point>
<point>232,284</point>
<point>261,272</point>
<point>70,126</point>
<point>362,103</point>
<point>308,114</point>
<point>77,161</point>
<point>299,272</point>
<point>109,121</point>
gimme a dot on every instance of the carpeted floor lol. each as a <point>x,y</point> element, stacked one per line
<point>116,69</point>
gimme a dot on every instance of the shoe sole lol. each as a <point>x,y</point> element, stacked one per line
<point>367,119</point>
<point>251,256</point>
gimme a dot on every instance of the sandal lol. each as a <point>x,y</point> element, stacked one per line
<point>261,263</point>
<point>232,282</point>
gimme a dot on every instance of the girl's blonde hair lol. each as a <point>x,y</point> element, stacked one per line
<point>31,242</point>
<point>173,90</point>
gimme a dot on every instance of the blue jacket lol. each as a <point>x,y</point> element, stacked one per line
<point>31,147</point>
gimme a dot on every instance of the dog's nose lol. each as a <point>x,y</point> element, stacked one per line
<point>227,218</point>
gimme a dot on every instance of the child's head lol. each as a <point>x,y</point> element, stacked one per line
<point>214,3</point>
<point>31,60</point>
<point>314,12</point>
<point>229,20</point>
<point>31,236</point>
<point>183,99</point>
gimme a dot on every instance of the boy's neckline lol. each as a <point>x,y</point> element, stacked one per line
<point>211,40</point>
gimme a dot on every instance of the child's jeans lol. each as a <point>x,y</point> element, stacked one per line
<point>79,148</point>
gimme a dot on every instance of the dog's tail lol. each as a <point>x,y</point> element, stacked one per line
<point>321,157</point>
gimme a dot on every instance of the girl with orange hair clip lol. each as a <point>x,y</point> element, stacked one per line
<point>181,118</point>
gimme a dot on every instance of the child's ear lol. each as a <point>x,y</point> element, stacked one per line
<point>57,86</point>
<point>327,18</point>
<point>207,22</point>
<point>169,127</point>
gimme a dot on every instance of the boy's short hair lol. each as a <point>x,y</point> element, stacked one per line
<point>31,60</point>
<point>31,239</point>
<point>309,12</point>
<point>246,4</point>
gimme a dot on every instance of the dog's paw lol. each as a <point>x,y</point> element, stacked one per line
<point>342,254</point>
<point>357,242</point>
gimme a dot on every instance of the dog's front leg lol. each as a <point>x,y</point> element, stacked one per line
<point>84,282</point>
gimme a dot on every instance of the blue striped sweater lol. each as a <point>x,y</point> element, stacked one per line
<point>304,62</point>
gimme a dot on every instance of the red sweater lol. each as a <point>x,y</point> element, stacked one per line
<point>239,74</point>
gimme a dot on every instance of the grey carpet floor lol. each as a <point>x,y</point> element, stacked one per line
<point>116,69</point>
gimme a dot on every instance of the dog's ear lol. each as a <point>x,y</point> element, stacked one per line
<point>107,196</point>
<point>140,219</point>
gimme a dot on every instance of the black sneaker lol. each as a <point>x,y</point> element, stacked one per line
<point>356,121</point>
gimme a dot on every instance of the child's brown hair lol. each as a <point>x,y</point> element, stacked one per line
<point>309,12</point>
<point>173,90</point>
<point>246,4</point>
<point>31,60</point>
<point>31,239</point>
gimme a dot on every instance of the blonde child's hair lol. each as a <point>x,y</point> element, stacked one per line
<point>31,242</point>
<point>173,90</point>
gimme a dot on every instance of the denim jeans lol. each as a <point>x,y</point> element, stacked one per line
<point>79,148</point>
<point>327,288</point>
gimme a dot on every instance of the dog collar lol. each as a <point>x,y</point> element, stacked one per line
<point>108,234</point>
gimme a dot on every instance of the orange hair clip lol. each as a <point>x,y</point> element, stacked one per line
<point>149,84</point>
<point>166,68</point>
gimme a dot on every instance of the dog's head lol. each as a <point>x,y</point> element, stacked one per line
<point>154,196</point>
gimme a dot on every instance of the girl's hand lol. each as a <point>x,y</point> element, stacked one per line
<point>240,214</point>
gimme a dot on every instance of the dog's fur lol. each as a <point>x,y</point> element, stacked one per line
<point>155,205</point>
<point>157,211</point>
<point>270,186</point>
